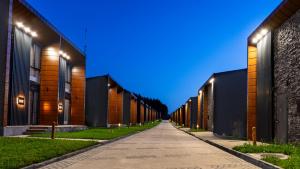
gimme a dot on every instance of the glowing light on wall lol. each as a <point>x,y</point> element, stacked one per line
<point>64,55</point>
<point>259,35</point>
<point>60,107</point>
<point>27,29</point>
<point>211,80</point>
<point>20,101</point>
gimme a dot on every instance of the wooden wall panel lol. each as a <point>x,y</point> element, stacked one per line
<point>199,122</point>
<point>205,109</point>
<point>49,86</point>
<point>251,100</point>
<point>115,114</point>
<point>78,96</point>
<point>142,112</point>
<point>133,111</point>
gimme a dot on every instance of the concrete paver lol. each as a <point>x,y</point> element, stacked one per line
<point>163,147</point>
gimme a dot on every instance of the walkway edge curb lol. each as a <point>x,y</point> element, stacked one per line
<point>256,162</point>
<point>65,156</point>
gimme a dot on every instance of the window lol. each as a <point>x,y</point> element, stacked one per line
<point>68,79</point>
<point>35,56</point>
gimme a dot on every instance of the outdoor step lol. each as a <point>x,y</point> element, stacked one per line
<point>38,127</point>
<point>29,133</point>
<point>37,130</point>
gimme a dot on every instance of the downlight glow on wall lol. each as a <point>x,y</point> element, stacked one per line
<point>27,29</point>
<point>259,36</point>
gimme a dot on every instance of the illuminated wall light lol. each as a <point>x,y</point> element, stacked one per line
<point>212,80</point>
<point>260,35</point>
<point>21,100</point>
<point>254,40</point>
<point>27,29</point>
<point>20,25</point>
<point>264,32</point>
<point>33,34</point>
<point>60,107</point>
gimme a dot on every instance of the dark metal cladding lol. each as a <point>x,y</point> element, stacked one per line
<point>264,89</point>
<point>230,103</point>
<point>194,109</point>
<point>126,107</point>
<point>96,101</point>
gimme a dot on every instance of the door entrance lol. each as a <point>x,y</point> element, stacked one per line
<point>281,119</point>
<point>33,107</point>
<point>67,112</point>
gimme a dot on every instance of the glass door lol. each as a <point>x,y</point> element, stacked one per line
<point>33,107</point>
<point>67,112</point>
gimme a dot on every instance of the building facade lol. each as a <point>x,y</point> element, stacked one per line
<point>42,74</point>
<point>273,76</point>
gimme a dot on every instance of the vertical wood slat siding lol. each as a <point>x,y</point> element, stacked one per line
<point>133,111</point>
<point>48,87</point>
<point>142,112</point>
<point>198,121</point>
<point>115,106</point>
<point>251,96</point>
<point>78,96</point>
<point>205,109</point>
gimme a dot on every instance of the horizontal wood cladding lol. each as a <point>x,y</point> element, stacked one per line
<point>199,122</point>
<point>49,87</point>
<point>251,93</point>
<point>133,111</point>
<point>115,114</point>
<point>78,96</point>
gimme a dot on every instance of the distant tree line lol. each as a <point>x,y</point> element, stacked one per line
<point>157,105</point>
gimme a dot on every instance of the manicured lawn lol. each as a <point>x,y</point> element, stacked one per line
<point>101,133</point>
<point>20,152</point>
<point>293,151</point>
<point>197,130</point>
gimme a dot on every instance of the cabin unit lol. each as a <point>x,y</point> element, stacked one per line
<point>223,102</point>
<point>273,104</point>
<point>43,73</point>
<point>104,102</point>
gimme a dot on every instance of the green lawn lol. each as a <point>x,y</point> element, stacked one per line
<point>20,152</point>
<point>292,150</point>
<point>100,133</point>
<point>197,130</point>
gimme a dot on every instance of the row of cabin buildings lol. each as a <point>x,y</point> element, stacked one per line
<point>266,95</point>
<point>42,79</point>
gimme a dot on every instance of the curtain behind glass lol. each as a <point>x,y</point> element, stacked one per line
<point>61,86</point>
<point>20,77</point>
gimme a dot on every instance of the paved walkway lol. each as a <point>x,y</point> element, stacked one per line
<point>163,147</point>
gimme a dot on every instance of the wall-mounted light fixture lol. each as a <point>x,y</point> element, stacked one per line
<point>21,101</point>
<point>259,35</point>
<point>64,55</point>
<point>200,92</point>
<point>108,85</point>
<point>212,80</point>
<point>20,25</point>
<point>60,107</point>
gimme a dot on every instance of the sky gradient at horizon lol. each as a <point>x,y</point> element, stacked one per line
<point>163,49</point>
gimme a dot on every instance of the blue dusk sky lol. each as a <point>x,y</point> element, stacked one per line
<point>163,49</point>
